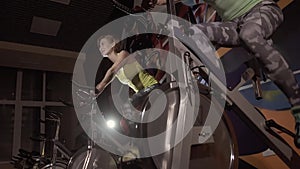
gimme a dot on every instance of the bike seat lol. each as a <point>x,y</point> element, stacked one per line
<point>38,139</point>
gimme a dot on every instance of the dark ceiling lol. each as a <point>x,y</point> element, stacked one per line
<point>79,20</point>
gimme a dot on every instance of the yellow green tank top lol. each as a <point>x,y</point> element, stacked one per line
<point>133,75</point>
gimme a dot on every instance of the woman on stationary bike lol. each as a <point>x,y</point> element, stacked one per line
<point>131,73</point>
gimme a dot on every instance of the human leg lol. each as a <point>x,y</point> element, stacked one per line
<point>255,28</point>
<point>222,33</point>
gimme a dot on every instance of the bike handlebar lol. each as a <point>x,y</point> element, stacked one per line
<point>85,94</point>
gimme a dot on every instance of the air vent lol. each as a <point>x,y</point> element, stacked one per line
<point>66,2</point>
<point>45,26</point>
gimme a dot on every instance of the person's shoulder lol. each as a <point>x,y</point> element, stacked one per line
<point>123,52</point>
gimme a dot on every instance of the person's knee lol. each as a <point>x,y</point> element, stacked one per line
<point>250,33</point>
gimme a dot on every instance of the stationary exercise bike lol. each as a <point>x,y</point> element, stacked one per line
<point>235,101</point>
<point>90,156</point>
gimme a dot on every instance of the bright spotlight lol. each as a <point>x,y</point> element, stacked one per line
<point>111,123</point>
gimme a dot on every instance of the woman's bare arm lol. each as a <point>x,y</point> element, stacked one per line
<point>109,75</point>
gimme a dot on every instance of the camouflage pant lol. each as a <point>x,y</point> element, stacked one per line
<point>252,30</point>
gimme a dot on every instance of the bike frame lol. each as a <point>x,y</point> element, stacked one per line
<point>91,100</point>
<point>247,112</point>
<point>57,147</point>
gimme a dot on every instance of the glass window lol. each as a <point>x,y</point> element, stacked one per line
<point>30,128</point>
<point>32,85</point>
<point>6,130</point>
<point>8,78</point>
<point>58,86</point>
